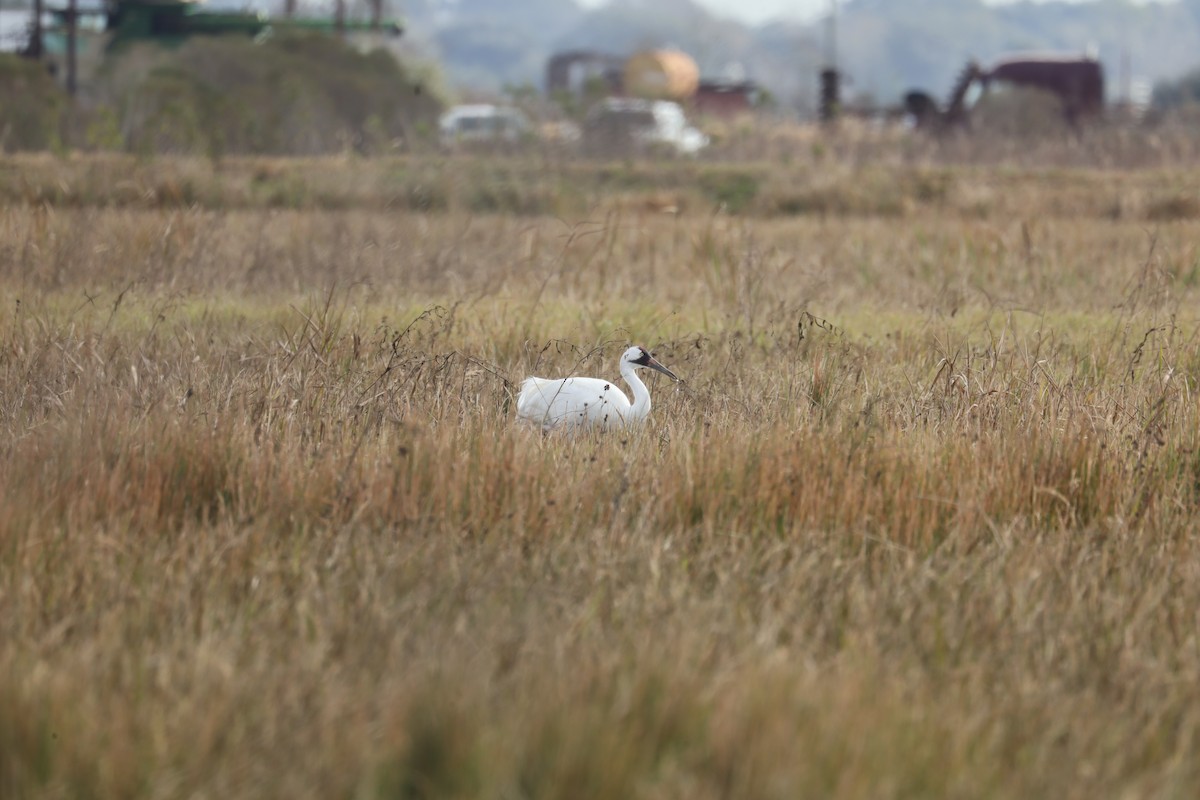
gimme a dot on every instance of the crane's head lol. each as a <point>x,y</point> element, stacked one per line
<point>640,357</point>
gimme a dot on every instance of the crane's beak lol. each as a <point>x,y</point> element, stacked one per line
<point>653,364</point>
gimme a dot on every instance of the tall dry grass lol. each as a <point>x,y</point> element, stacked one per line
<point>918,523</point>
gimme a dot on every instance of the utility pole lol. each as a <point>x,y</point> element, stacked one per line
<point>830,97</point>
<point>34,48</point>
<point>831,49</point>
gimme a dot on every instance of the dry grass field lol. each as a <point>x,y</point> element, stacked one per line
<point>920,522</point>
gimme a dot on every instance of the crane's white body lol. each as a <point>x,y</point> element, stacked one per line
<point>580,402</point>
<point>589,402</point>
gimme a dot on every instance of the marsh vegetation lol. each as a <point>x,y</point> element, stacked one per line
<point>920,521</point>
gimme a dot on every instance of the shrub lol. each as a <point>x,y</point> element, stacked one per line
<point>31,106</point>
<point>734,190</point>
<point>297,94</point>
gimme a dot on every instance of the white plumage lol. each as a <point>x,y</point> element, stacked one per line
<point>586,402</point>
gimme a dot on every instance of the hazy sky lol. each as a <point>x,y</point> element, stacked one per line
<point>761,10</point>
<point>756,10</point>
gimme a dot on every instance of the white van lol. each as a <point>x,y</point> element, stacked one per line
<point>483,123</point>
<point>618,121</point>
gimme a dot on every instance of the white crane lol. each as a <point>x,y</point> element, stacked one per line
<point>584,402</point>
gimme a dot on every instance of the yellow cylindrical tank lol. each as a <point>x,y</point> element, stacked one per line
<point>661,75</point>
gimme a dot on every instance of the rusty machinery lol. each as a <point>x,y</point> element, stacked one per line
<point>590,64</point>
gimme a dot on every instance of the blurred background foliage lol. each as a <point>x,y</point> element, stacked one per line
<point>31,106</point>
<point>293,94</point>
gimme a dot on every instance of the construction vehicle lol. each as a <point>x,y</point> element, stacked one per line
<point>1077,82</point>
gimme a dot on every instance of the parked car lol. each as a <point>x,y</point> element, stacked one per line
<point>485,123</point>
<point>622,124</point>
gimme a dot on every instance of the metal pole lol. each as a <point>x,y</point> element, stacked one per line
<point>289,8</point>
<point>72,44</point>
<point>339,17</point>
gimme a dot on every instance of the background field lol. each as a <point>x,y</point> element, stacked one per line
<point>919,522</point>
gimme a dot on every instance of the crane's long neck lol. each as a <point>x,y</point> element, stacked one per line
<point>641,395</point>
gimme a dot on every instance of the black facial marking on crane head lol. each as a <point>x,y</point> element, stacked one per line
<point>644,359</point>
